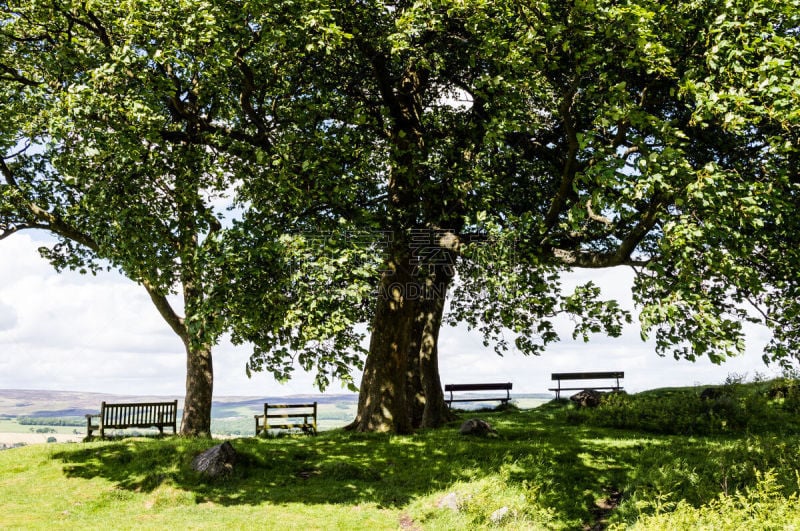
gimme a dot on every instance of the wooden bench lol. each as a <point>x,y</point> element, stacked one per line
<point>139,415</point>
<point>306,412</point>
<point>560,376</point>
<point>506,386</point>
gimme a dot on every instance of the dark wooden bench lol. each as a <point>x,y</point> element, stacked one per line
<point>561,376</point>
<point>306,412</point>
<point>450,388</point>
<point>138,415</point>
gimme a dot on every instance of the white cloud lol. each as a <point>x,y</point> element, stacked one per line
<point>72,332</point>
<point>8,317</point>
<point>100,333</point>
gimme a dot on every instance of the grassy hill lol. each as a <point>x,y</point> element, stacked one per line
<point>666,459</point>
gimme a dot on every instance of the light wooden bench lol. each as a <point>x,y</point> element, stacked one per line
<point>306,412</point>
<point>561,376</point>
<point>506,386</point>
<point>137,415</point>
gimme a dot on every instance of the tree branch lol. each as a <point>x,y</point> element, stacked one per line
<point>637,234</point>
<point>11,74</point>
<point>49,221</point>
<point>590,260</point>
<point>597,217</point>
<point>569,171</point>
<point>95,26</point>
<point>176,322</point>
<point>248,89</point>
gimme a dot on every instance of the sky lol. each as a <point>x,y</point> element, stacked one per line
<point>101,333</point>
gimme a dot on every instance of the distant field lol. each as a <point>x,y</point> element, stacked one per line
<point>12,426</point>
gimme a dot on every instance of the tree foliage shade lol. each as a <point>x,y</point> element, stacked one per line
<point>384,158</point>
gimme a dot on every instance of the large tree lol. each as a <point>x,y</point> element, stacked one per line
<point>92,154</point>
<point>117,138</point>
<point>519,140</point>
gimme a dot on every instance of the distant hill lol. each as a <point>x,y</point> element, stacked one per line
<point>43,403</point>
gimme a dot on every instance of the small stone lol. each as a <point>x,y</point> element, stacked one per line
<point>450,501</point>
<point>476,427</point>
<point>499,515</point>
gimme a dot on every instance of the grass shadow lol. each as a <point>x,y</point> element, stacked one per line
<point>349,468</point>
<point>541,455</point>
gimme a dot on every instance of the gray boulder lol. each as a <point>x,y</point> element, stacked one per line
<point>587,398</point>
<point>450,501</point>
<point>216,462</point>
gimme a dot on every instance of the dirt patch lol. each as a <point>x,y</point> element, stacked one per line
<point>406,522</point>
<point>602,509</point>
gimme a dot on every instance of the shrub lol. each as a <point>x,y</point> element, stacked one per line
<point>761,507</point>
<point>733,407</point>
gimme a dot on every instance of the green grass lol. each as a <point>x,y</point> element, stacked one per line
<point>12,426</point>
<point>550,467</point>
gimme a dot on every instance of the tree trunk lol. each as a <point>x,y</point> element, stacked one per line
<point>382,404</point>
<point>415,396</point>
<point>401,389</point>
<point>427,406</point>
<point>196,420</point>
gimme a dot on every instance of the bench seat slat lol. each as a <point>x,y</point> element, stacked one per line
<point>289,406</point>
<point>614,387</point>
<point>476,399</point>
<point>587,375</point>
<point>585,387</point>
<point>478,387</point>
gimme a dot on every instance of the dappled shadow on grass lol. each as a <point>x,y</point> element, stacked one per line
<point>350,468</point>
<point>560,466</point>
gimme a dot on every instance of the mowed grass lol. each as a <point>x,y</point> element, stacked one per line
<point>548,468</point>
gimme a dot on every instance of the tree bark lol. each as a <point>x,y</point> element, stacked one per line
<point>425,396</point>
<point>401,389</point>
<point>382,404</point>
<point>196,421</point>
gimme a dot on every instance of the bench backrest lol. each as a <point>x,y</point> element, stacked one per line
<point>290,410</point>
<point>587,375</point>
<point>478,387</point>
<point>139,415</point>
